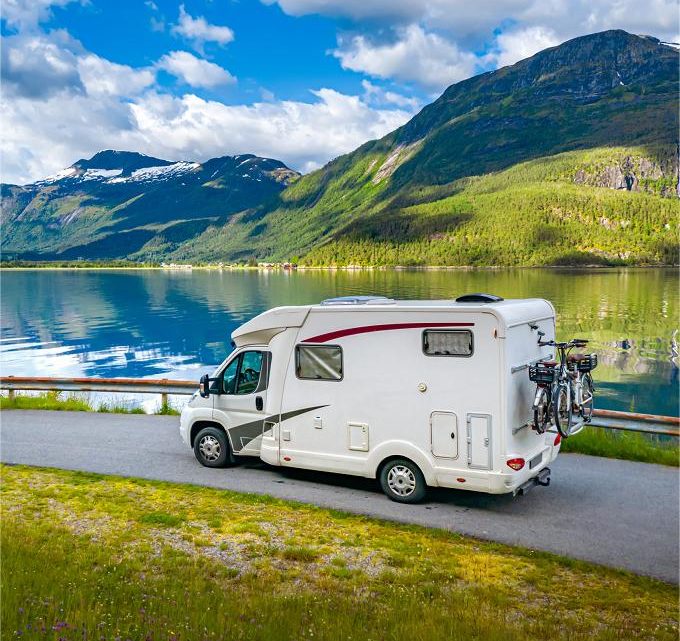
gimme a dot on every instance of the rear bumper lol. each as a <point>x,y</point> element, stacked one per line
<point>499,482</point>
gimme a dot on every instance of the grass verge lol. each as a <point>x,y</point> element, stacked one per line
<point>73,403</point>
<point>629,446</point>
<point>91,557</point>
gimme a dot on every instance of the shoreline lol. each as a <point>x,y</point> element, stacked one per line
<point>327,268</point>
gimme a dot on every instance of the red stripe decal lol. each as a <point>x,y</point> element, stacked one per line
<point>365,329</point>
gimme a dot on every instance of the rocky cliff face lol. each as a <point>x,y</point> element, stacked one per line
<point>635,173</point>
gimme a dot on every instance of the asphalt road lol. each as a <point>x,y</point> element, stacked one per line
<point>615,513</point>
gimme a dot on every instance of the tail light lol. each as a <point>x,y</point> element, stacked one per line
<point>516,464</point>
<point>558,439</point>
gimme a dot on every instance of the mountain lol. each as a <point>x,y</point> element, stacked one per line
<point>567,157</point>
<point>120,203</point>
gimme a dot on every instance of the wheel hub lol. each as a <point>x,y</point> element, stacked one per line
<point>401,480</point>
<point>210,448</point>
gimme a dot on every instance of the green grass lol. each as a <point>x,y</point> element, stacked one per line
<point>88,556</point>
<point>630,446</point>
<point>74,403</point>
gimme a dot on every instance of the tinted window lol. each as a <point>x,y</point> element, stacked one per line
<point>242,375</point>
<point>230,376</point>
<point>319,362</point>
<point>249,374</point>
<point>447,342</point>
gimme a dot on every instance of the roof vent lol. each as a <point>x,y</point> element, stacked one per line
<point>478,298</point>
<point>358,300</point>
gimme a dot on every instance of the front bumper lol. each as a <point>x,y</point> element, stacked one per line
<point>184,427</point>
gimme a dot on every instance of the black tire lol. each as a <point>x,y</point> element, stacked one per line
<point>563,410</point>
<point>587,391</point>
<point>402,481</point>
<point>212,449</point>
<point>542,412</point>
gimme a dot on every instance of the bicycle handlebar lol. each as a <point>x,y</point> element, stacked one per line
<point>574,342</point>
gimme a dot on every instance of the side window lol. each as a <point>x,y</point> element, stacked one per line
<point>249,374</point>
<point>242,375</point>
<point>318,362</point>
<point>230,376</point>
<point>448,342</point>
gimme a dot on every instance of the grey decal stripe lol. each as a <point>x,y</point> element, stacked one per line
<point>252,429</point>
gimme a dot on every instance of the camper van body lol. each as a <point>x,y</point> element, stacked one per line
<point>352,383</point>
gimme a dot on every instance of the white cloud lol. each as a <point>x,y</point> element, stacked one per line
<point>39,138</point>
<point>39,66</point>
<point>470,23</point>
<point>305,135</point>
<point>512,46</point>
<point>36,67</point>
<point>355,9</point>
<point>378,95</point>
<point>103,77</point>
<point>26,14</point>
<point>199,30</point>
<point>416,56</point>
<point>194,71</point>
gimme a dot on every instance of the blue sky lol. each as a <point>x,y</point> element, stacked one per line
<point>299,80</point>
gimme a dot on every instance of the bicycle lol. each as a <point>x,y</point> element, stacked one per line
<point>562,388</point>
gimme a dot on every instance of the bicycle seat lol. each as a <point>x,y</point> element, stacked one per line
<point>573,358</point>
<point>547,363</point>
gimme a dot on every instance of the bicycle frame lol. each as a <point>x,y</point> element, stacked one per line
<point>570,381</point>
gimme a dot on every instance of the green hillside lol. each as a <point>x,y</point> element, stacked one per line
<point>567,157</point>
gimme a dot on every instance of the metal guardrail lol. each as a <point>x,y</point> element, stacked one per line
<point>633,422</point>
<point>610,419</point>
<point>162,386</point>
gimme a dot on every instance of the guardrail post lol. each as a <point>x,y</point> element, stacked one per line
<point>164,400</point>
<point>10,395</point>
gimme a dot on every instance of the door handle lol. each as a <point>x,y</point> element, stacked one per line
<point>259,403</point>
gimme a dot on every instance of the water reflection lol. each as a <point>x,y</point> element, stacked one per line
<point>151,323</point>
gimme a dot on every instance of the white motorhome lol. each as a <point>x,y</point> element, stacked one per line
<point>413,393</point>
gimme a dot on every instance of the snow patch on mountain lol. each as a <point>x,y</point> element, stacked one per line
<point>158,173</point>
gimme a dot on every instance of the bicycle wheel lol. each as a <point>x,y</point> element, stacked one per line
<point>541,410</point>
<point>562,409</point>
<point>587,389</point>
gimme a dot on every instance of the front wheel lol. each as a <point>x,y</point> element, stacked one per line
<point>212,449</point>
<point>563,410</point>
<point>402,481</point>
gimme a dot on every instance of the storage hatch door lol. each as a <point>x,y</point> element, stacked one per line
<point>444,434</point>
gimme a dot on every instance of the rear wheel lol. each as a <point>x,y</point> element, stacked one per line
<point>587,389</point>
<point>541,410</point>
<point>212,449</point>
<point>562,409</point>
<point>402,481</point>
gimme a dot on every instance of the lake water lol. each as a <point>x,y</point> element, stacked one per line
<point>177,324</point>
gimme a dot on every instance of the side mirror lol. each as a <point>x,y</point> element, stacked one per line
<point>204,386</point>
